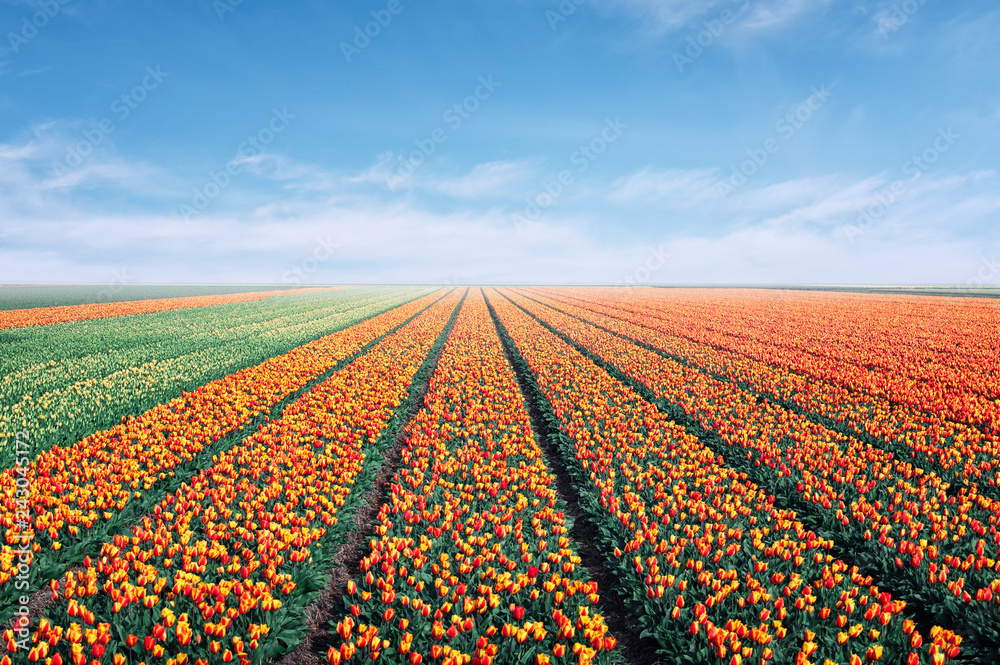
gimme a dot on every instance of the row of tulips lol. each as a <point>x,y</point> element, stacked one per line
<point>936,549</point>
<point>80,496</point>
<point>222,569</point>
<point>717,571</point>
<point>472,561</point>
<point>41,316</point>
<point>931,354</point>
<point>959,452</point>
<point>915,345</point>
<point>63,383</point>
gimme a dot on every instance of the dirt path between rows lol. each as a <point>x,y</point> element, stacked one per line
<point>637,650</point>
<point>330,603</point>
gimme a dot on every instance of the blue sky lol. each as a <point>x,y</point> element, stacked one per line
<point>582,141</point>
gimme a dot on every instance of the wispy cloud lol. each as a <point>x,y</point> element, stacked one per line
<point>811,200</point>
<point>380,172</point>
<point>665,15</point>
<point>668,16</point>
<point>781,13</point>
<point>488,180</point>
<point>673,188</point>
<point>973,41</point>
<point>33,172</point>
<point>35,70</point>
<point>928,204</point>
<point>793,193</point>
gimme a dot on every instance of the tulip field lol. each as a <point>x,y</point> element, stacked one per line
<point>502,475</point>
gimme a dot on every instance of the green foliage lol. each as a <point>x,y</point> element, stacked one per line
<point>62,382</point>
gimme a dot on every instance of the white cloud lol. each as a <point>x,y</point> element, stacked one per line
<point>780,232</point>
<point>377,243</point>
<point>397,241</point>
<point>772,255</point>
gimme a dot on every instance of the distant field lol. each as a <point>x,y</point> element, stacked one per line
<point>61,382</point>
<point>25,297</point>
<point>952,291</point>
